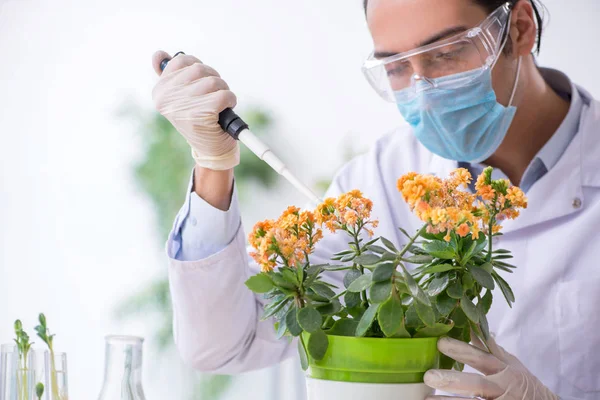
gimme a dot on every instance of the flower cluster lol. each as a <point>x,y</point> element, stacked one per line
<point>291,238</point>
<point>350,211</point>
<point>445,208</point>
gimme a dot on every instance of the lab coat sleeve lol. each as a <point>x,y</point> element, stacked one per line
<point>199,220</point>
<point>216,318</point>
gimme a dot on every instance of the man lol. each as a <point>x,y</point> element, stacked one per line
<point>463,75</point>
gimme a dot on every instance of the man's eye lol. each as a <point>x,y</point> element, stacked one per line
<point>447,55</point>
<point>396,70</point>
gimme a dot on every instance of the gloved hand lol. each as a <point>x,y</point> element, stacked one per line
<point>505,377</point>
<point>191,95</point>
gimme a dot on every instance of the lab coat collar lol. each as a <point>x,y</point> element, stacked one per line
<point>560,192</point>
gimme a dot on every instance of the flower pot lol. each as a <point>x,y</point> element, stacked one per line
<point>372,368</point>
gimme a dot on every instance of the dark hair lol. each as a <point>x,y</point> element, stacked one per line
<point>491,5</point>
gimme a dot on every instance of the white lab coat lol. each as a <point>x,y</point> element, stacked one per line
<point>553,328</point>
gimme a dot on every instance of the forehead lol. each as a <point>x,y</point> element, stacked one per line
<point>401,25</point>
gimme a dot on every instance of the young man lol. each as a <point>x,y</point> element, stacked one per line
<point>462,74</point>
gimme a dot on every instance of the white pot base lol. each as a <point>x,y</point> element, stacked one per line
<point>318,389</point>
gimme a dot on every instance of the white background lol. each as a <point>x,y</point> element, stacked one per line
<point>76,235</point>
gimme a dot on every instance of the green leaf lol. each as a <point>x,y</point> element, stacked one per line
<point>438,285</point>
<point>351,299</point>
<point>315,297</point>
<point>380,291</point>
<point>425,313</point>
<point>387,256</point>
<point>280,281</point>
<point>415,289</point>
<point>445,304</point>
<point>260,283</point>
<point>412,318</point>
<point>487,267</point>
<point>330,309</point>
<point>344,253</point>
<point>343,327</point>
<point>435,330</point>
<point>336,268</point>
<point>357,312</point>
<point>366,321</point>
<point>405,233</point>
<point>419,259</point>
<point>467,281</point>
<point>291,320</point>
<point>469,308</point>
<point>303,355</point>
<point>440,249</point>
<point>402,332</point>
<point>322,290</point>
<point>389,245</point>
<point>483,322</point>
<point>377,249</point>
<point>459,318</point>
<point>280,328</point>
<point>309,319</point>
<point>501,251</point>
<point>383,272</point>
<point>360,284</point>
<point>290,276</point>
<point>351,276</point>
<point>390,316</point>
<point>506,290</point>
<point>317,345</point>
<point>482,277</point>
<point>300,273</point>
<point>503,264</point>
<point>276,305</point>
<point>367,259</point>
<point>486,301</point>
<point>455,290</point>
<point>439,268</point>
<point>469,253</point>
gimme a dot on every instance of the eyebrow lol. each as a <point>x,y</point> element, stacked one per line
<point>439,36</point>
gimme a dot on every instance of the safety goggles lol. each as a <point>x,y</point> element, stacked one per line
<point>446,64</point>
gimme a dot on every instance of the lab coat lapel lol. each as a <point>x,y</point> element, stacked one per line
<point>560,192</point>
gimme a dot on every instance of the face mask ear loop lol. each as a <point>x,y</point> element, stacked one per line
<point>512,96</point>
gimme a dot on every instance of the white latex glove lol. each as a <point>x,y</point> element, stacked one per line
<point>505,377</point>
<point>191,95</point>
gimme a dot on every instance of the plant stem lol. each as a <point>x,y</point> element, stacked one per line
<point>337,296</point>
<point>362,269</point>
<point>490,237</point>
<point>412,241</point>
<point>53,375</point>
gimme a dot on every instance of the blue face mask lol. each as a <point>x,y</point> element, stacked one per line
<point>464,124</point>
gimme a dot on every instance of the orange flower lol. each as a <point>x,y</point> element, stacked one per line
<point>463,230</point>
<point>516,196</point>
<point>460,177</point>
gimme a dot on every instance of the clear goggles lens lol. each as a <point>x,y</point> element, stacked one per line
<point>447,64</point>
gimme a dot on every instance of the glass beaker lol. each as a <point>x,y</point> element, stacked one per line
<point>123,369</point>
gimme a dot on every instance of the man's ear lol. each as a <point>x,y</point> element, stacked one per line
<point>523,28</point>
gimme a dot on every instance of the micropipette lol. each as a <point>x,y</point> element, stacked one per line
<point>231,123</point>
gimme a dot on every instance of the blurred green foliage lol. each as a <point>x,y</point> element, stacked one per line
<point>163,174</point>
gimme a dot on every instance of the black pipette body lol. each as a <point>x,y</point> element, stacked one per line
<point>229,121</point>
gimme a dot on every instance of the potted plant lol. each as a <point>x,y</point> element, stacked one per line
<point>378,335</point>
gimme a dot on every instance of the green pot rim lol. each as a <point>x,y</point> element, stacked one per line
<point>375,360</point>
